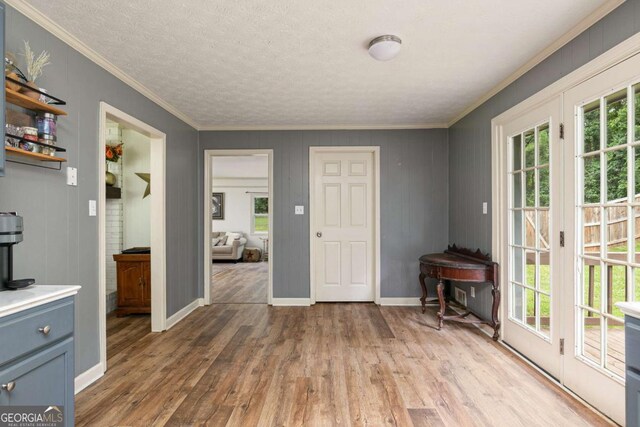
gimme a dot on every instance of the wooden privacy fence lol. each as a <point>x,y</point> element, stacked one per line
<point>617,235</point>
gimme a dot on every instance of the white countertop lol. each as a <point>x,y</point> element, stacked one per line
<point>33,296</point>
<point>630,308</point>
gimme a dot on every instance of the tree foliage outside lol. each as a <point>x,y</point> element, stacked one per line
<point>260,212</point>
<point>616,173</point>
<point>261,205</point>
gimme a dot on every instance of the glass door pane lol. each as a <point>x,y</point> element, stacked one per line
<point>529,207</point>
<point>608,216</point>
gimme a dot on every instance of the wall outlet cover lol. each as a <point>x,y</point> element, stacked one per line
<point>72,177</point>
<point>299,210</point>
<point>473,292</point>
<point>93,210</point>
<point>485,208</point>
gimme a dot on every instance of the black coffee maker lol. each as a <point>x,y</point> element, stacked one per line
<point>10,234</point>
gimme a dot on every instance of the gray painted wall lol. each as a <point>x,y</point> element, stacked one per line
<point>414,199</point>
<point>61,240</point>
<point>470,138</point>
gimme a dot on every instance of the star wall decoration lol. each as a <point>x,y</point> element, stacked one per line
<point>146,177</point>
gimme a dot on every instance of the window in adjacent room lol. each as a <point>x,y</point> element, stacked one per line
<point>259,214</point>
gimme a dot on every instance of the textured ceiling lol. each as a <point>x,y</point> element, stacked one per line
<point>302,63</point>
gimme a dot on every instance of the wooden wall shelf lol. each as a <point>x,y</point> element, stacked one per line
<point>35,156</point>
<point>24,101</point>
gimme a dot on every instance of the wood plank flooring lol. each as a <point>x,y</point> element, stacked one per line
<point>241,283</point>
<point>329,364</point>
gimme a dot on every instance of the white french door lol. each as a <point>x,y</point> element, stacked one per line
<point>343,224</point>
<point>582,190</point>
<point>533,201</point>
<point>602,220</point>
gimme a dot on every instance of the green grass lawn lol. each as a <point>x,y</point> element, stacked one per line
<point>262,224</point>
<point>618,288</point>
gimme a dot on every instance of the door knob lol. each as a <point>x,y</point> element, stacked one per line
<point>319,234</point>
<point>9,386</point>
<point>45,330</point>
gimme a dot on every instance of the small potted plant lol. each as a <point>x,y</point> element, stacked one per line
<point>112,154</point>
<point>35,65</point>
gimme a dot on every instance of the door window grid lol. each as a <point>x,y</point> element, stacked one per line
<point>529,209</point>
<point>609,249</point>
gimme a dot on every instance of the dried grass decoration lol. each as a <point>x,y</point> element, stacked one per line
<point>35,65</point>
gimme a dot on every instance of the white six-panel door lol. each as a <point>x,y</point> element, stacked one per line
<point>342,199</point>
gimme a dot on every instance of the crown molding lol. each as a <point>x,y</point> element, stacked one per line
<point>322,127</point>
<point>583,25</point>
<point>45,22</point>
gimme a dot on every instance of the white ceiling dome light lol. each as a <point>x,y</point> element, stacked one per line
<point>384,48</point>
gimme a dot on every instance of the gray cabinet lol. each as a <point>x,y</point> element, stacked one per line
<point>37,358</point>
<point>632,346</point>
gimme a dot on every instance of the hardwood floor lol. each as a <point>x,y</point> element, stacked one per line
<point>123,332</point>
<point>329,364</point>
<point>241,283</point>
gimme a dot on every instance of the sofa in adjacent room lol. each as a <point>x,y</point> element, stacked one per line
<point>227,246</point>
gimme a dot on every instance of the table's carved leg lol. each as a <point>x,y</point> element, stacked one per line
<point>443,305</point>
<point>423,299</point>
<point>495,292</point>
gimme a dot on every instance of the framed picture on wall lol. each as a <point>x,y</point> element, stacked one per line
<point>217,205</point>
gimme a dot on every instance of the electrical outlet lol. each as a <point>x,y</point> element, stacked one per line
<point>473,292</point>
<point>485,208</point>
<point>93,210</point>
<point>72,177</point>
<point>299,210</point>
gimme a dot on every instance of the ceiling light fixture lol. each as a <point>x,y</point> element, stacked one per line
<point>384,48</point>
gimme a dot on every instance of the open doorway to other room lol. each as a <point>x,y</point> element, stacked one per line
<point>240,230</point>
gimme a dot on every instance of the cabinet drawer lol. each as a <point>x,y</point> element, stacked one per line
<point>23,330</point>
<point>632,342</point>
<point>43,379</point>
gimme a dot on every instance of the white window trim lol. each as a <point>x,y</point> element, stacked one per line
<point>254,214</point>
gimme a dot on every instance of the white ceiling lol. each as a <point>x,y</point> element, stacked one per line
<point>254,166</point>
<point>256,63</point>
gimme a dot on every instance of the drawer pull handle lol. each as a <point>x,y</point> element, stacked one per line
<point>45,330</point>
<point>9,386</point>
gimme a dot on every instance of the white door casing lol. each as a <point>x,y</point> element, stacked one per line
<point>158,222</point>
<point>343,206</point>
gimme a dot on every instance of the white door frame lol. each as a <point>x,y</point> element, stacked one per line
<point>208,155</point>
<point>158,148</point>
<point>375,150</point>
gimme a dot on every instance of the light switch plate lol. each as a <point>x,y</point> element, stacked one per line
<point>484,208</point>
<point>473,292</point>
<point>93,210</point>
<point>72,177</point>
<point>299,210</point>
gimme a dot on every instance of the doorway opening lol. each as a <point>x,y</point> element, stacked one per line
<point>132,256</point>
<point>238,226</point>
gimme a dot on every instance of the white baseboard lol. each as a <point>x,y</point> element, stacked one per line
<point>88,377</point>
<point>184,312</point>
<point>402,301</point>
<point>290,302</point>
